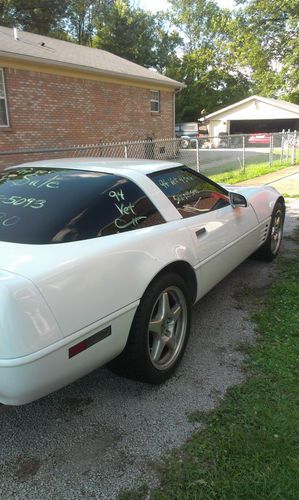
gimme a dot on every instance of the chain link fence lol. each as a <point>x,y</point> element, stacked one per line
<point>163,149</point>
<point>239,152</point>
<point>210,155</point>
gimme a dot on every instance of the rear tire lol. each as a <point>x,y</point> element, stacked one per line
<point>159,332</point>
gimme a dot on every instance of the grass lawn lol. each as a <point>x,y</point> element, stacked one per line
<point>249,448</point>
<point>251,171</point>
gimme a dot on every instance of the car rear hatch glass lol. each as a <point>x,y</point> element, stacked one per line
<point>50,205</point>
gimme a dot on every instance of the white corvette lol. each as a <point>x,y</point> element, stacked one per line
<point>101,260</point>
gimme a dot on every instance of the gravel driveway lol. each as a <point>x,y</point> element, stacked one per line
<point>105,433</point>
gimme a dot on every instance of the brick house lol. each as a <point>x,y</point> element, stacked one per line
<point>56,94</point>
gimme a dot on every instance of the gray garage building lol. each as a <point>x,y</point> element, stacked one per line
<point>254,114</point>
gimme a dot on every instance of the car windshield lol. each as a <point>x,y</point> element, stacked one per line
<point>50,205</point>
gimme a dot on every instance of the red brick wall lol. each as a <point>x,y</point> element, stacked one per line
<point>48,110</point>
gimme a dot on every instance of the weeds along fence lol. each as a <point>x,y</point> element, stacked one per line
<point>210,155</point>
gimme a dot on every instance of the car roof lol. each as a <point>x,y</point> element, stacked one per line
<point>106,165</point>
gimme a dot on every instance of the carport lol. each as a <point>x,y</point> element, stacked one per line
<point>254,114</point>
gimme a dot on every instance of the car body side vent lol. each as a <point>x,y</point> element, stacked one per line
<point>264,233</point>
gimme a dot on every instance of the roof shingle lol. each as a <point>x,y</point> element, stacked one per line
<point>47,50</point>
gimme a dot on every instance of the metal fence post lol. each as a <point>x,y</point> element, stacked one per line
<point>243,152</point>
<point>281,147</point>
<point>288,145</point>
<point>271,151</point>
<point>294,148</point>
<point>197,156</point>
<point>126,151</point>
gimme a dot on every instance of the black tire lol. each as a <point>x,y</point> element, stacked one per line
<point>269,250</point>
<point>153,355</point>
<point>185,143</point>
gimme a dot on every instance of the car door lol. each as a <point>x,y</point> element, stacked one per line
<point>223,236</point>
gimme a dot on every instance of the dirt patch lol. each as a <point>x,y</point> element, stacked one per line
<point>27,468</point>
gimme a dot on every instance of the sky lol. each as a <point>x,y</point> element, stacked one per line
<point>155,5</point>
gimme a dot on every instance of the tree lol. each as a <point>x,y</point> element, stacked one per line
<point>127,32</point>
<point>167,41</point>
<point>208,68</point>
<point>37,16</point>
<point>80,21</point>
<point>229,55</point>
<point>267,42</point>
<point>82,16</point>
<point>201,21</point>
<point>6,18</point>
<point>208,86</point>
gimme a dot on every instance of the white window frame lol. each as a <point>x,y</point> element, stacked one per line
<point>155,98</point>
<point>4,98</point>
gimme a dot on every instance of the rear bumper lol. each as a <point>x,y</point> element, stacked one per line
<point>27,378</point>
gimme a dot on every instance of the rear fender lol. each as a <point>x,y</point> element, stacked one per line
<point>26,322</point>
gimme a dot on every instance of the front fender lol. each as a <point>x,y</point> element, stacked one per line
<point>262,199</point>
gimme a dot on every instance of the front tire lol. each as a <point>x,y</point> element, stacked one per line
<point>269,250</point>
<point>159,332</point>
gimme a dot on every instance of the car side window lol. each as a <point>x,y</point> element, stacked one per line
<point>190,193</point>
<point>42,206</point>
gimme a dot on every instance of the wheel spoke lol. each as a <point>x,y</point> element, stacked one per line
<point>155,326</point>
<point>171,344</point>
<point>164,306</point>
<point>156,323</point>
<point>176,311</point>
<point>157,349</point>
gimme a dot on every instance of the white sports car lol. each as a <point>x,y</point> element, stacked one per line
<point>101,260</point>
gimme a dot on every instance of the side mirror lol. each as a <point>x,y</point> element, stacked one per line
<point>237,200</point>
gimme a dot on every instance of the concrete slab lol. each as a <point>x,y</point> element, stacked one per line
<point>286,181</point>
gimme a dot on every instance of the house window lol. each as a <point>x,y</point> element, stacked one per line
<point>155,100</point>
<point>3,102</point>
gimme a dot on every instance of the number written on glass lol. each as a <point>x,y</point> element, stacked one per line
<point>23,202</point>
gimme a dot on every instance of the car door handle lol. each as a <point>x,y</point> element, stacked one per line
<point>200,232</point>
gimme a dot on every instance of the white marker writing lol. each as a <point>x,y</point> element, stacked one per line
<point>119,195</point>
<point>121,224</point>
<point>126,209</point>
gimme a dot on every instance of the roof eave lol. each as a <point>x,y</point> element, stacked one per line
<point>253,97</point>
<point>87,69</point>
<point>231,106</point>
